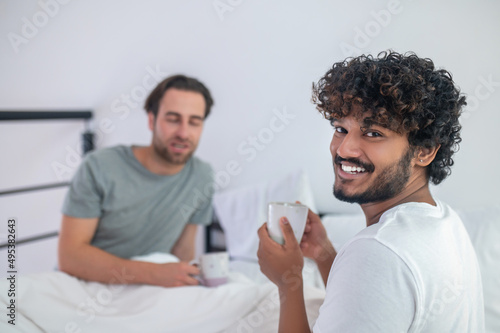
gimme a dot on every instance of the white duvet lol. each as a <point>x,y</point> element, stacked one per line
<point>57,302</point>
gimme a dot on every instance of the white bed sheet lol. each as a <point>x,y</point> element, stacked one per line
<point>57,302</point>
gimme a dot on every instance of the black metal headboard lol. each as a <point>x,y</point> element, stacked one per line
<point>87,145</point>
<point>214,236</point>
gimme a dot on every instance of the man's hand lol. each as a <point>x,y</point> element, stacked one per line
<point>282,264</point>
<point>315,243</point>
<point>175,275</point>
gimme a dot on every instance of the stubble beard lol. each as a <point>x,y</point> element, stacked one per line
<point>175,159</point>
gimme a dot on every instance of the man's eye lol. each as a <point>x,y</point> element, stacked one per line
<point>373,134</point>
<point>172,119</point>
<point>339,129</point>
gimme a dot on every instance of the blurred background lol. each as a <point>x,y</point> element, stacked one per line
<point>258,58</point>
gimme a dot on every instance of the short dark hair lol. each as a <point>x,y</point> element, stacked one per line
<point>180,82</point>
<point>401,92</point>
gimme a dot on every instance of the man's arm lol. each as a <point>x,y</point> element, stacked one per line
<point>283,264</point>
<point>184,247</point>
<point>79,258</point>
<point>316,245</point>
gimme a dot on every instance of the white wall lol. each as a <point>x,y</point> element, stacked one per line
<point>257,57</point>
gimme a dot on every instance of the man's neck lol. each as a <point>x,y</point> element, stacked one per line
<point>149,159</point>
<point>417,190</point>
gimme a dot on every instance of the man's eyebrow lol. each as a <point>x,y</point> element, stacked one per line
<point>172,113</point>
<point>366,123</point>
<point>370,124</point>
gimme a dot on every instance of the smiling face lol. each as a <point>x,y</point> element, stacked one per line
<point>371,164</point>
<point>177,127</point>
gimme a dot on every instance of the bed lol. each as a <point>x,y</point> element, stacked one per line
<point>57,302</point>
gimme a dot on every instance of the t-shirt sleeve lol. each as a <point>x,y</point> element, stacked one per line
<point>203,215</point>
<point>204,212</point>
<point>84,196</point>
<point>370,289</point>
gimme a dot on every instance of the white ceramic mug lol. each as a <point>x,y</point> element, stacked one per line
<point>214,268</point>
<point>296,215</point>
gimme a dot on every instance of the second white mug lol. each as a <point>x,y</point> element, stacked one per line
<point>214,268</point>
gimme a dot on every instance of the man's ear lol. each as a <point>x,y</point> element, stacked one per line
<point>151,120</point>
<point>425,156</point>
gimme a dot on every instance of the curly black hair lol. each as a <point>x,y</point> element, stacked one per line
<point>402,92</point>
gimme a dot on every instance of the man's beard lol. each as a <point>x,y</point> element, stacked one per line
<point>162,151</point>
<point>387,185</point>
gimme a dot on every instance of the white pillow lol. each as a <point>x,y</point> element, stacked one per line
<point>483,226</point>
<point>243,210</point>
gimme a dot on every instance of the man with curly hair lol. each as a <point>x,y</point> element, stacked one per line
<point>413,269</point>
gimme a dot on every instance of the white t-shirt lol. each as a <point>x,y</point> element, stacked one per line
<point>413,271</point>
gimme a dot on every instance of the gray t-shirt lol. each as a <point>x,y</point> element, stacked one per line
<point>139,212</point>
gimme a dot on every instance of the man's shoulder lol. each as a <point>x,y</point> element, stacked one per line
<point>107,154</point>
<point>417,226</point>
<point>110,151</point>
<point>418,210</point>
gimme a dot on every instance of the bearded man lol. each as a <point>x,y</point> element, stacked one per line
<point>413,268</point>
<point>128,201</point>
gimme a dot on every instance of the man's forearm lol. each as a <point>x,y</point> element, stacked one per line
<point>293,318</point>
<point>184,248</point>
<point>324,266</point>
<point>185,253</point>
<point>324,259</point>
<point>93,264</point>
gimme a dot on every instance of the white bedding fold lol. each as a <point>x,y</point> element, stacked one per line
<point>57,302</point>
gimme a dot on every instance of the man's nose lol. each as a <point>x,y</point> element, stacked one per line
<point>183,130</point>
<point>348,147</point>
